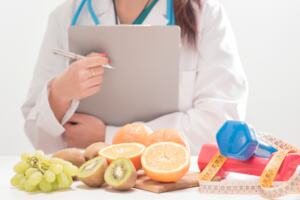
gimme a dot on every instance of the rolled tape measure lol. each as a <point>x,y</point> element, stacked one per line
<point>265,186</point>
<point>278,143</point>
<point>279,189</point>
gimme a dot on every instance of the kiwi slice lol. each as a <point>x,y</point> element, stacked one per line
<point>92,172</point>
<point>121,174</point>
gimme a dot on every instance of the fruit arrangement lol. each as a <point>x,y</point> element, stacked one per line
<point>38,172</point>
<point>163,155</point>
<point>166,157</point>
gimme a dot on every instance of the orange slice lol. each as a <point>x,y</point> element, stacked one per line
<point>132,133</point>
<point>166,161</point>
<point>132,151</point>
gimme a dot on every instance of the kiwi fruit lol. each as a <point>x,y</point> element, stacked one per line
<point>92,172</point>
<point>121,174</point>
<point>73,155</point>
<point>92,150</point>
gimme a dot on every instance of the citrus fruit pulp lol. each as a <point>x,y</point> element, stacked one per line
<point>132,151</point>
<point>165,161</point>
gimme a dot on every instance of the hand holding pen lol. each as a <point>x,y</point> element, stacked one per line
<point>81,79</point>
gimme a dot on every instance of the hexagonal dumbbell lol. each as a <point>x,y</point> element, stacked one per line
<point>237,140</point>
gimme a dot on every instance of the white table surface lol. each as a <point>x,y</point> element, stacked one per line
<point>79,191</point>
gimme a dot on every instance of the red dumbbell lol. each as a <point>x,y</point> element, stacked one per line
<point>253,166</point>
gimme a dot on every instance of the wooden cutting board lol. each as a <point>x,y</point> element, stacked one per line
<point>145,183</point>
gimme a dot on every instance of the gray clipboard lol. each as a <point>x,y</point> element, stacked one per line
<point>145,83</point>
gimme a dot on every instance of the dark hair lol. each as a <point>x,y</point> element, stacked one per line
<point>186,18</point>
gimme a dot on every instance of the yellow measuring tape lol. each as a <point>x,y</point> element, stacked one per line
<point>270,172</point>
<point>212,168</point>
<point>265,185</point>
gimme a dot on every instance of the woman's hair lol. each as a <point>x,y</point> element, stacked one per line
<point>186,18</point>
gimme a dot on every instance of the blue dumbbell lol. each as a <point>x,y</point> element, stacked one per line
<point>237,140</point>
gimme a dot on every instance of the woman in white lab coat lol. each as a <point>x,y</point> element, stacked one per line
<point>213,86</point>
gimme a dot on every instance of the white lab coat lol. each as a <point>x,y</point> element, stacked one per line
<point>213,86</point>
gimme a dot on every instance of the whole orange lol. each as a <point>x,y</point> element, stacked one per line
<point>132,133</point>
<point>167,135</point>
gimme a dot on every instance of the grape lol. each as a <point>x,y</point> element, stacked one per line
<point>63,181</point>
<point>70,170</point>
<point>29,188</point>
<point>21,167</point>
<point>55,185</point>
<point>30,171</point>
<point>45,186</point>
<point>21,183</point>
<point>16,179</point>
<point>70,180</point>
<point>56,168</point>
<point>39,154</point>
<point>35,178</point>
<point>25,157</point>
<point>55,160</point>
<point>49,176</point>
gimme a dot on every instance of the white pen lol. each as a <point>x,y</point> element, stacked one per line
<point>74,56</point>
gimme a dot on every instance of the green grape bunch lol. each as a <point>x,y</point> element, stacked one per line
<point>38,172</point>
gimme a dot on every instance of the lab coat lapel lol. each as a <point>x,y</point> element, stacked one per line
<point>157,16</point>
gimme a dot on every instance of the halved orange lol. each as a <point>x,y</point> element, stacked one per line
<point>132,133</point>
<point>132,151</point>
<point>166,161</point>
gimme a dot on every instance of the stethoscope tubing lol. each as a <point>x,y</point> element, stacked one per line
<point>170,13</point>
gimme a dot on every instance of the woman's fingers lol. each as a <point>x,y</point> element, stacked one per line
<point>93,61</point>
<point>96,71</point>
<point>97,80</point>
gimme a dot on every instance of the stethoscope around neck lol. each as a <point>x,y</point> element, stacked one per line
<point>170,14</point>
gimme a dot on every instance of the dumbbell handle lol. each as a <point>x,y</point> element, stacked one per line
<point>253,166</point>
<point>264,150</point>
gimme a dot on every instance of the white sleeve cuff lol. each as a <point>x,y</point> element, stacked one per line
<point>70,112</point>
<point>45,118</point>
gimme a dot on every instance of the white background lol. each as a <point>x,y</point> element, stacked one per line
<point>268,34</point>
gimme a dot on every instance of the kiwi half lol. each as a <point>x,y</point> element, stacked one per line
<point>92,172</point>
<point>121,174</point>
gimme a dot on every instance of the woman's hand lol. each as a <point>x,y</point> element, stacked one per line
<point>83,130</point>
<point>82,78</point>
